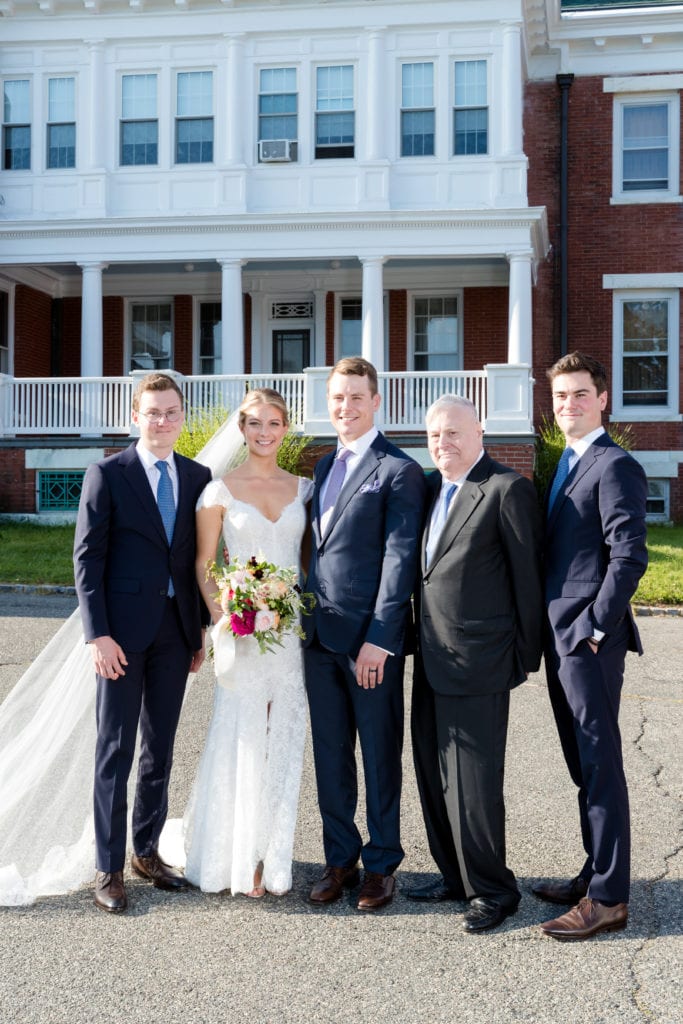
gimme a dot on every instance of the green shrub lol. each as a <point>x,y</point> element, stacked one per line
<point>550,443</point>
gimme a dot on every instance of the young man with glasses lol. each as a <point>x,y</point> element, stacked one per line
<point>134,563</point>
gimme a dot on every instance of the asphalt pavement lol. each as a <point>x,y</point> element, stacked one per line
<point>198,959</point>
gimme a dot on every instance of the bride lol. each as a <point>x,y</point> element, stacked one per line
<point>47,723</point>
<point>239,823</point>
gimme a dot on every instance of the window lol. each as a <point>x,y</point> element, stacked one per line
<point>657,504</point>
<point>470,109</point>
<point>351,327</point>
<point>645,365</point>
<point>435,332</point>
<point>139,122</point>
<point>61,122</point>
<point>59,490</point>
<point>4,332</point>
<point>210,333</point>
<point>277,106</point>
<point>646,139</point>
<point>16,126</point>
<point>194,118</point>
<point>151,336</point>
<point>417,110</point>
<point>334,117</point>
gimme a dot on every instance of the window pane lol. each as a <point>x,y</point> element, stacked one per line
<point>138,96</point>
<point>210,332</point>
<point>61,145</point>
<point>350,343</point>
<point>646,348</point>
<point>139,143</point>
<point>278,80</point>
<point>417,133</point>
<point>17,149</point>
<point>470,83</point>
<point>61,99</point>
<point>151,336</point>
<point>471,132</point>
<point>17,104</point>
<point>334,129</point>
<point>335,88</point>
<point>195,142</point>
<point>646,147</point>
<point>195,93</point>
<point>436,333</point>
<point>418,85</point>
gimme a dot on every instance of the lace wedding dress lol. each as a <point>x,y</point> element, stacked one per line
<point>243,805</point>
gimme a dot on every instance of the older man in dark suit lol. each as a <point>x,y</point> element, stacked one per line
<point>134,562</point>
<point>595,554</point>
<point>367,510</point>
<point>480,614</point>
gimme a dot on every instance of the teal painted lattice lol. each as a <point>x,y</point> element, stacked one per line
<point>59,490</point>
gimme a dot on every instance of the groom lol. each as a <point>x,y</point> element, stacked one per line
<point>367,510</point>
<point>134,563</point>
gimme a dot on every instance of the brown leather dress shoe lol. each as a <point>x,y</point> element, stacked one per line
<point>163,876</point>
<point>329,887</point>
<point>377,891</point>
<point>589,917</point>
<point>562,892</point>
<point>110,892</point>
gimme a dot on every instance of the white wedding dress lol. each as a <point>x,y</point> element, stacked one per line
<point>243,805</point>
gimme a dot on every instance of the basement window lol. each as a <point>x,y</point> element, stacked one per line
<point>59,490</point>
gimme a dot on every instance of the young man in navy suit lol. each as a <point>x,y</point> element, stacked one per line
<point>367,511</point>
<point>134,563</point>
<point>595,554</point>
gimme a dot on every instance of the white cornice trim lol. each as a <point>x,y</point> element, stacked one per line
<point>643,83</point>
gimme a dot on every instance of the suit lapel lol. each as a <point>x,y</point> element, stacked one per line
<point>470,494</point>
<point>136,478</point>
<point>183,511</point>
<point>370,463</point>
<point>589,459</point>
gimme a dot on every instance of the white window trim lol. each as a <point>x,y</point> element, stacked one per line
<point>9,287</point>
<point>48,123</point>
<point>451,107</point>
<point>434,293</point>
<point>144,300</point>
<point>197,302</point>
<point>670,195</point>
<point>434,107</point>
<point>176,117</point>
<point>635,413</point>
<point>139,168</point>
<point>313,75</point>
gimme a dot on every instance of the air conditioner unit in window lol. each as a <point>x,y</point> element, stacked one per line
<point>275,151</point>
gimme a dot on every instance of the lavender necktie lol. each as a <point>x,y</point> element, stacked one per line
<point>336,480</point>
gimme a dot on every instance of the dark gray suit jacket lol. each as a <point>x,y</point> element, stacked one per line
<point>480,602</point>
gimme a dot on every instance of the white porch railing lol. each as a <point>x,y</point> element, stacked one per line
<point>100,406</point>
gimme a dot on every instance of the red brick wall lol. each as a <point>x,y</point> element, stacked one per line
<point>182,334</point>
<point>398,330</point>
<point>17,484</point>
<point>32,327</point>
<point>485,333</point>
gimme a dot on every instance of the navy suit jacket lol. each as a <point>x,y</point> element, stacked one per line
<point>122,559</point>
<point>480,600</point>
<point>595,548</point>
<point>362,569</point>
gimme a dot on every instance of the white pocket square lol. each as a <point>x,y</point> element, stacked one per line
<point>372,488</point>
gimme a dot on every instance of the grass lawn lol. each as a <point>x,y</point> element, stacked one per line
<point>42,554</point>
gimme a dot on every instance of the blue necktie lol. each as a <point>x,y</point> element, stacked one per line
<point>336,481</point>
<point>166,503</point>
<point>561,474</point>
<point>436,528</point>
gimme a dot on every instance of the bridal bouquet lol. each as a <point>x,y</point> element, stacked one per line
<point>260,600</point>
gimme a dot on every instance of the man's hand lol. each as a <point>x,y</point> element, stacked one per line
<point>370,666</point>
<point>108,657</point>
<point>199,656</point>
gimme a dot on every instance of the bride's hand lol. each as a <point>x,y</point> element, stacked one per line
<point>108,657</point>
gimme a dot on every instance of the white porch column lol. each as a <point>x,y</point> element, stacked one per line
<point>511,92</point>
<point>519,309</point>
<point>373,311</point>
<point>96,93</point>
<point>234,119</point>
<point>232,317</point>
<point>91,319</point>
<point>375,108</point>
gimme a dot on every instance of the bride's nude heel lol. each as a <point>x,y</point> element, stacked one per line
<point>259,890</point>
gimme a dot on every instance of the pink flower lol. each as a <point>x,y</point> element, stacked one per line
<point>266,619</point>
<point>242,625</point>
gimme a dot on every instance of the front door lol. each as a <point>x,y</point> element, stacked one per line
<point>291,350</point>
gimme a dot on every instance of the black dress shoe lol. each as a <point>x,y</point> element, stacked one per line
<point>485,913</point>
<point>110,892</point>
<point>562,892</point>
<point>162,875</point>
<point>435,892</point>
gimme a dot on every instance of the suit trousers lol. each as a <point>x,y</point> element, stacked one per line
<point>151,694</point>
<point>340,710</point>
<point>585,692</point>
<point>459,753</point>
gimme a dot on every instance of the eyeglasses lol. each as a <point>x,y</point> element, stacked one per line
<point>170,415</point>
